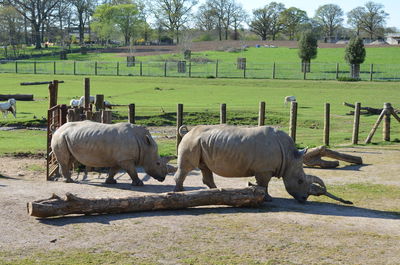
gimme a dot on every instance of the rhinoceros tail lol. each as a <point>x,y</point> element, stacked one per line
<point>183,130</point>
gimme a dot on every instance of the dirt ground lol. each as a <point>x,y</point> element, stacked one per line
<point>280,232</point>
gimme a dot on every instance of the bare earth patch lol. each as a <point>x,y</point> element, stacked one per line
<point>280,232</point>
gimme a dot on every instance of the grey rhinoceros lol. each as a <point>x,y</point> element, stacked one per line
<point>263,152</point>
<point>117,146</point>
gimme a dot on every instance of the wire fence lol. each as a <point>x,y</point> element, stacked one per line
<point>317,71</point>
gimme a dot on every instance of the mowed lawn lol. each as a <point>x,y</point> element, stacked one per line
<point>156,100</point>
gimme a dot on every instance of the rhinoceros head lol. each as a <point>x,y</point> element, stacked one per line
<point>300,185</point>
<point>153,164</point>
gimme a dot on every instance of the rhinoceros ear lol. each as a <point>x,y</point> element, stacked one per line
<point>300,153</point>
<point>148,139</point>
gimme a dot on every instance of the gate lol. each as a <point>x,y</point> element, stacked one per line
<point>56,116</point>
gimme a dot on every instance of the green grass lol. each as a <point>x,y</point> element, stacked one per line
<point>22,141</point>
<point>156,100</point>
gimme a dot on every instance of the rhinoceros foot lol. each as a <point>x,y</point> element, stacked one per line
<point>69,180</point>
<point>267,198</point>
<point>137,182</point>
<point>110,181</point>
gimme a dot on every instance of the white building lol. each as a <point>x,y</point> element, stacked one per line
<point>393,38</point>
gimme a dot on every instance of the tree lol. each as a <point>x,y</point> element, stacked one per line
<point>83,10</point>
<point>206,18</point>
<point>266,20</point>
<point>374,19</point>
<point>355,17</point>
<point>173,14</point>
<point>355,55</point>
<point>125,16</point>
<point>36,13</point>
<point>238,17</point>
<point>291,19</point>
<point>330,17</point>
<point>308,45</point>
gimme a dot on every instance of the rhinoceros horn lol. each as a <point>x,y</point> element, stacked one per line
<point>320,189</point>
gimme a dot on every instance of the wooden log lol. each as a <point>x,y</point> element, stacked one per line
<point>293,120</point>
<point>369,110</point>
<point>395,115</point>
<point>313,157</point>
<point>38,83</point>
<point>373,130</point>
<point>72,204</point>
<point>222,115</point>
<point>179,123</point>
<point>261,114</point>
<point>356,125</point>
<point>106,116</point>
<point>20,97</point>
<point>53,93</point>
<point>327,123</point>
<point>99,102</point>
<point>386,122</point>
<point>131,113</point>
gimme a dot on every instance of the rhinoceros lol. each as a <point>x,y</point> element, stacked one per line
<point>262,152</point>
<point>117,146</point>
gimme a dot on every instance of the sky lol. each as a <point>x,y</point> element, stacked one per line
<point>392,7</point>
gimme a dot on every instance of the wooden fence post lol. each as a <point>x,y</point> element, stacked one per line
<point>74,67</point>
<point>371,72</point>
<point>54,67</point>
<point>222,115</point>
<point>117,68</point>
<point>131,115</point>
<point>87,93</point>
<point>34,67</point>
<point>165,69</point>
<point>373,130</point>
<point>53,93</point>
<point>273,71</point>
<point>327,123</point>
<point>216,69</point>
<point>141,69</point>
<point>179,123</point>
<point>293,120</point>
<point>386,123</point>
<point>356,125</point>
<point>190,68</point>
<point>95,68</point>
<point>99,102</point>
<point>261,114</point>
<point>337,71</point>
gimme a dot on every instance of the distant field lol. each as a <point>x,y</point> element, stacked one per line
<point>156,100</point>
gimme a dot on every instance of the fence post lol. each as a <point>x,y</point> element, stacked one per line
<point>337,71</point>
<point>222,116</point>
<point>293,120</point>
<point>327,123</point>
<point>53,91</point>
<point>117,68</point>
<point>74,67</point>
<point>386,122</point>
<point>141,69</point>
<point>305,68</point>
<point>273,71</point>
<point>165,69</point>
<point>99,102</point>
<point>261,114</point>
<point>131,114</point>
<point>356,125</point>
<point>179,123</point>
<point>371,72</point>
<point>87,93</point>
<point>216,70</point>
<point>16,67</point>
<point>190,68</point>
<point>244,70</point>
<point>95,68</point>
<point>34,67</point>
<point>54,67</point>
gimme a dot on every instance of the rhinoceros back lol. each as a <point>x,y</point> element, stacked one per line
<point>101,145</point>
<point>239,152</point>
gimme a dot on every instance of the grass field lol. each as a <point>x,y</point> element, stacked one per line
<point>260,64</point>
<point>156,100</point>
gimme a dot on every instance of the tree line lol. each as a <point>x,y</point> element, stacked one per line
<point>38,21</point>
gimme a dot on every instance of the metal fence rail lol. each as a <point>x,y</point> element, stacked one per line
<point>317,71</point>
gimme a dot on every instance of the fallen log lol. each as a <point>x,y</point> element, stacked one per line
<point>313,158</point>
<point>368,110</point>
<point>38,83</point>
<point>21,97</point>
<point>72,204</point>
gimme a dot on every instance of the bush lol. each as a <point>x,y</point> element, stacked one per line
<point>348,79</point>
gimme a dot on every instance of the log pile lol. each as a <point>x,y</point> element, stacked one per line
<point>313,158</point>
<point>72,204</point>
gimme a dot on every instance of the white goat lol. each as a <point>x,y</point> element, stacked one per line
<point>289,99</point>
<point>9,105</point>
<point>81,102</point>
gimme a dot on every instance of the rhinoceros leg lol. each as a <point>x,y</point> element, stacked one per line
<point>110,179</point>
<point>65,167</point>
<point>129,166</point>
<point>263,181</point>
<point>208,177</point>
<point>180,176</point>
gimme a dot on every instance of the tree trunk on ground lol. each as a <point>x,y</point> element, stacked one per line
<point>56,206</point>
<point>313,157</point>
<point>20,97</point>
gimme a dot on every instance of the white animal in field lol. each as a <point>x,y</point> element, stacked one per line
<point>81,102</point>
<point>289,99</point>
<point>9,106</point>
